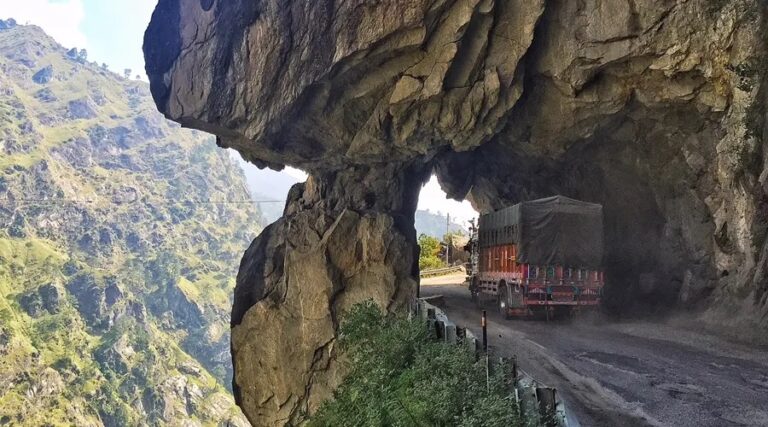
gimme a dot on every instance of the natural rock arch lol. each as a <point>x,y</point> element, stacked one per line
<point>655,109</point>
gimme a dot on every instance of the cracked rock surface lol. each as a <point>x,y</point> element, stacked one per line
<point>653,108</point>
<point>337,245</point>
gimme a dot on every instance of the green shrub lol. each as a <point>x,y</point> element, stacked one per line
<point>429,253</point>
<point>400,375</point>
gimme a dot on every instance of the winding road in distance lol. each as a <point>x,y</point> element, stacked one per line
<point>626,374</point>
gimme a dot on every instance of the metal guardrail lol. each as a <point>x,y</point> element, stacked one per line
<point>441,271</point>
<point>538,402</point>
<point>444,328</point>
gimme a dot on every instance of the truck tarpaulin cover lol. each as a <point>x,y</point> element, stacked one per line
<point>552,231</point>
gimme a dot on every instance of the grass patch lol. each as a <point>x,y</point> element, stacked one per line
<point>400,375</point>
<point>189,289</point>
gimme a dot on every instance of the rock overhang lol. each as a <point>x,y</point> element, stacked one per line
<point>499,98</point>
<point>321,85</point>
<point>654,109</point>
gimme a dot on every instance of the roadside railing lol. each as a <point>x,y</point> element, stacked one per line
<point>537,402</point>
<point>441,271</point>
<point>444,328</point>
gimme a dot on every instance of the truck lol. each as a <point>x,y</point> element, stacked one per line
<point>538,257</point>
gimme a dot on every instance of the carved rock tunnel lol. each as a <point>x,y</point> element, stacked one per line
<point>655,111</point>
<point>348,236</point>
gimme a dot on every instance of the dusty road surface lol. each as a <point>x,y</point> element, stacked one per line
<point>626,374</point>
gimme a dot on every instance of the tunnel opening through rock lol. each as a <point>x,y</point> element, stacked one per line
<point>646,166</point>
<point>456,212</point>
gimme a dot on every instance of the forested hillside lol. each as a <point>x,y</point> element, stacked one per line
<point>120,237</point>
<point>434,224</point>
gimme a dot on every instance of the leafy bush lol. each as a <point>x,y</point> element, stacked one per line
<point>400,375</point>
<point>429,255</point>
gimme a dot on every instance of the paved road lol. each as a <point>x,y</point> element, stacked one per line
<point>628,374</point>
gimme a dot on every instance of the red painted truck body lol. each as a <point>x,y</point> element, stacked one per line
<point>561,264</point>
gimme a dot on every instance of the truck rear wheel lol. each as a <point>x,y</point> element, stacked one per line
<point>474,289</point>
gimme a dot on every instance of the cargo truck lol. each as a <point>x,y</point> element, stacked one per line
<point>538,257</point>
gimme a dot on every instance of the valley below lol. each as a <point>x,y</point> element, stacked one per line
<point>116,273</point>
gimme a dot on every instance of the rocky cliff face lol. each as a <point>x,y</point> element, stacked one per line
<point>345,237</point>
<point>653,108</point>
<point>115,273</point>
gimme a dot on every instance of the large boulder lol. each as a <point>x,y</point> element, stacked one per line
<point>46,299</point>
<point>653,108</point>
<point>44,75</point>
<point>46,95</point>
<point>82,108</point>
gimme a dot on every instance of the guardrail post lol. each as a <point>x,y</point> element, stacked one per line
<point>547,404</point>
<point>514,368</point>
<point>422,310</point>
<point>450,333</point>
<point>484,324</point>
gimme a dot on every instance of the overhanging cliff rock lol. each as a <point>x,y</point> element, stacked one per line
<point>655,109</point>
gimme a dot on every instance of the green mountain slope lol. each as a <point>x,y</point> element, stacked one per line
<point>120,236</point>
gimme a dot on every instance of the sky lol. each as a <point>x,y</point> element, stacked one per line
<point>113,31</point>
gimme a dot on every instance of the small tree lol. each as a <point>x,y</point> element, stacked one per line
<point>450,239</point>
<point>127,73</point>
<point>82,56</point>
<point>429,256</point>
<point>104,66</point>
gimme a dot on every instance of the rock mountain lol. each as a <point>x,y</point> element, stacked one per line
<point>118,249</point>
<point>656,109</point>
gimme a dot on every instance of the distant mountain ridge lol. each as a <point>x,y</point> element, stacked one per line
<point>120,237</point>
<point>436,224</point>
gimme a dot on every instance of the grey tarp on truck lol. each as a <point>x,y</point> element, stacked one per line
<point>552,231</point>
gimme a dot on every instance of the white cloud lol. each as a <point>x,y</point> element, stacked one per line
<point>296,173</point>
<point>61,19</point>
<point>434,199</point>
